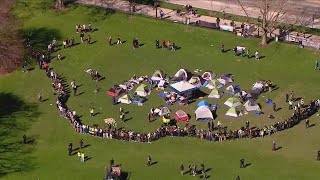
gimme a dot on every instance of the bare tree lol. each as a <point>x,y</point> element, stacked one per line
<point>59,4</point>
<point>271,13</point>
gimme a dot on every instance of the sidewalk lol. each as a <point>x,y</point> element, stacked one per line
<point>310,40</point>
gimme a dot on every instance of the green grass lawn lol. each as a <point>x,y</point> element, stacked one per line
<point>288,66</point>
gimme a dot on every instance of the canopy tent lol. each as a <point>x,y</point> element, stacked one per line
<point>233,102</point>
<point>215,94</point>
<point>251,105</point>
<point>164,111</point>
<point>181,75</point>
<point>125,99</point>
<point>232,112</point>
<point>157,76</point>
<point>182,87</point>
<point>232,89</point>
<point>115,91</point>
<point>196,81</point>
<point>203,103</point>
<point>142,90</point>
<point>208,75</point>
<point>180,115</point>
<point>213,84</point>
<point>203,114</point>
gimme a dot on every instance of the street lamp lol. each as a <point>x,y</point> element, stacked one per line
<point>156,4</point>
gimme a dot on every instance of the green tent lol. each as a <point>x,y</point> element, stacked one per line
<point>232,112</point>
<point>142,90</point>
<point>233,102</point>
<point>214,94</point>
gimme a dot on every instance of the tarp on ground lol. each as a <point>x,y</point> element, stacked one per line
<point>115,91</point>
<point>203,114</point>
<point>208,75</point>
<point>233,102</point>
<point>232,112</point>
<point>215,94</point>
<point>180,115</point>
<point>251,105</point>
<point>182,87</point>
<point>157,76</point>
<point>203,103</point>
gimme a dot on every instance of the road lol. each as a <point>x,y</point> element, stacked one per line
<point>300,12</point>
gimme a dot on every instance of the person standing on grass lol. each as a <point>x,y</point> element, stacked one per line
<point>163,44</point>
<point>202,168</point>
<point>273,146</point>
<point>149,161</point>
<point>190,169</point>
<point>59,56</point>
<point>39,97</point>
<point>257,55</point>
<point>242,52</point>
<point>290,104</point>
<point>182,169</point>
<point>70,150</point>
<point>291,96</point>
<point>81,37</point>
<point>307,123</point>
<point>149,117</point>
<point>91,112</point>
<point>157,44</point>
<point>287,97</point>
<point>248,53</point>
<point>119,40</point>
<point>222,48</point>
<point>24,137</point>
<point>241,163</point>
<point>74,87</point>
<point>238,178</point>
<point>81,143</point>
<point>79,156</point>
<point>82,157</point>
<point>318,157</point>
<point>89,39</point>
<point>274,107</point>
<point>110,40</point>
<point>64,43</point>
<point>122,114</point>
<point>235,51</point>
<point>316,65</point>
<point>72,41</point>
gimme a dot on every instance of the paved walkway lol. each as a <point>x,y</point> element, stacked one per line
<point>173,16</point>
<point>300,12</point>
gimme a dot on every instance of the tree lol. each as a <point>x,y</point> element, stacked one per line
<point>271,13</point>
<point>59,4</point>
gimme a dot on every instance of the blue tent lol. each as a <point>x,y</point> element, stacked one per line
<point>203,103</point>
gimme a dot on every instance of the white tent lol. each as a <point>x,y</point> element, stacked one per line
<point>203,113</point>
<point>257,85</point>
<point>215,94</point>
<point>157,76</point>
<point>142,90</point>
<point>208,75</point>
<point>251,105</point>
<point>182,87</point>
<point>181,75</point>
<point>232,112</point>
<point>164,111</point>
<point>124,99</point>
<point>196,81</point>
<point>233,102</point>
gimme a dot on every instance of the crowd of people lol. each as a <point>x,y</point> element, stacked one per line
<point>218,133</point>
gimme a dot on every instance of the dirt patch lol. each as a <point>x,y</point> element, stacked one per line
<point>11,45</point>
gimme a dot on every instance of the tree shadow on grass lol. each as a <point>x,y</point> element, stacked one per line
<point>40,38</point>
<point>16,117</point>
